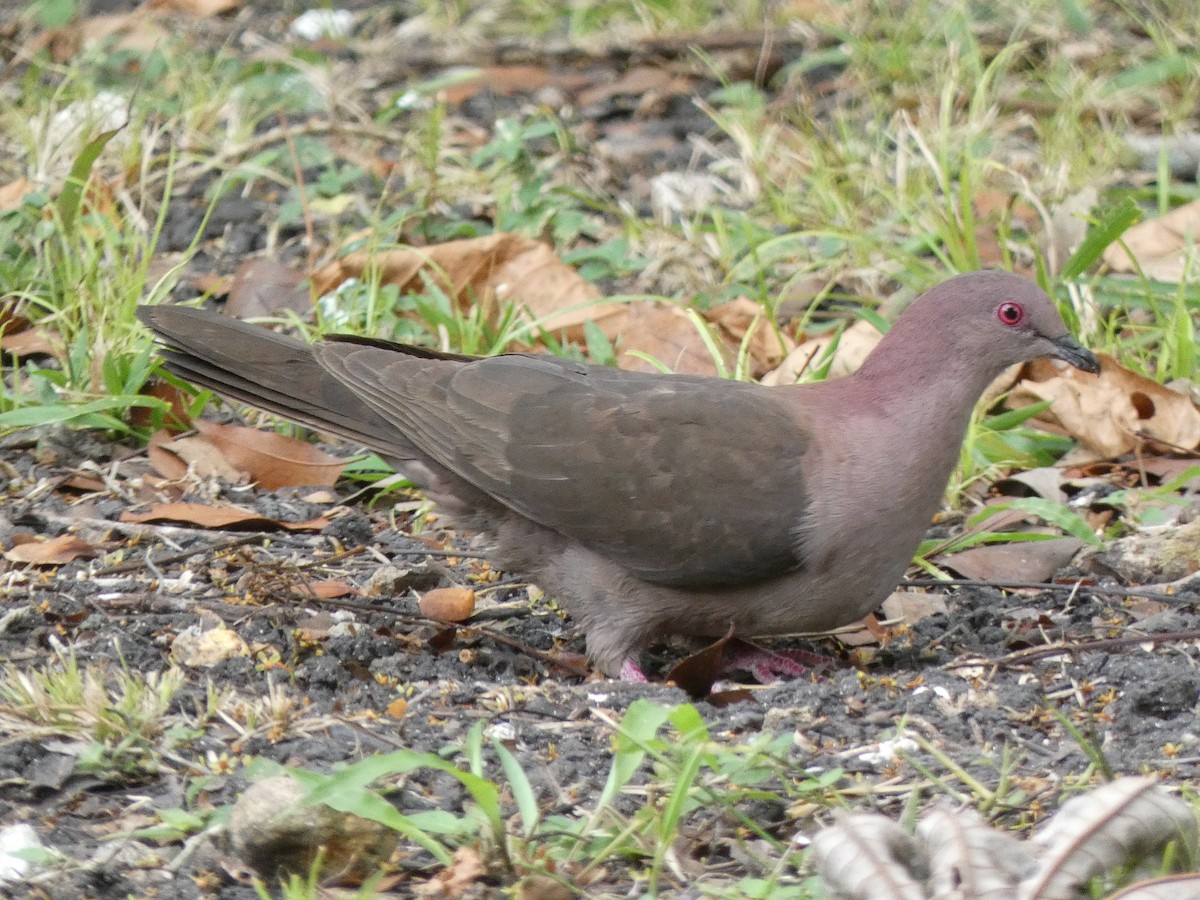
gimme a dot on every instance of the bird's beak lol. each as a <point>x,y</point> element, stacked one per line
<point>1070,350</point>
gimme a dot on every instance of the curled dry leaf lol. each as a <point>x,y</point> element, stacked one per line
<point>452,604</point>
<point>869,857</point>
<point>233,518</point>
<point>55,552</point>
<point>1117,824</point>
<point>1110,414</point>
<point>969,859</point>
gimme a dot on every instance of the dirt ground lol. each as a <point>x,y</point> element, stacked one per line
<point>325,674</point>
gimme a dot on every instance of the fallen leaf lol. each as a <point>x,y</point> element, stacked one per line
<point>262,287</point>
<point>191,451</point>
<point>205,516</point>
<point>664,333</point>
<point>502,80</point>
<point>201,8</point>
<point>272,460</point>
<point>176,419</point>
<point>329,590</point>
<point>452,604</point>
<point>53,552</point>
<point>454,881</point>
<point>855,345</point>
<point>1030,562</point>
<point>203,649</point>
<point>913,606</point>
<point>486,273</point>
<point>1159,246</point>
<point>397,708</point>
<point>1109,414</point>
<point>767,346</point>
<point>14,192</point>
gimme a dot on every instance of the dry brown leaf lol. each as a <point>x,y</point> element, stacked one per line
<point>165,462</point>
<point>272,460</point>
<point>14,192</point>
<point>205,516</point>
<point>456,879</point>
<point>452,604</point>
<point>196,452</point>
<point>913,606</point>
<point>855,345</point>
<point>503,80</point>
<point>635,82</point>
<point>205,649</point>
<point>330,589</point>
<point>664,333</point>
<point>176,419</point>
<point>1158,245</point>
<point>262,286</point>
<point>1032,562</point>
<point>1110,414</point>
<point>767,346</point>
<point>397,708</point>
<point>138,30</point>
<point>28,342</point>
<point>55,552</point>
<point>202,8</point>
<point>488,273</point>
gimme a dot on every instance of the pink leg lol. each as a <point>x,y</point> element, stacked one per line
<point>631,671</point>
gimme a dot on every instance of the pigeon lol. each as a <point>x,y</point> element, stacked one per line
<point>652,505</point>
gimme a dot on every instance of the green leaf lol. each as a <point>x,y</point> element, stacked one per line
<point>70,201</point>
<point>1111,224</point>
<point>522,790</point>
<point>1055,514</point>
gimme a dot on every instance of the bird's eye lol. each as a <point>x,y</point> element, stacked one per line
<point>1010,313</point>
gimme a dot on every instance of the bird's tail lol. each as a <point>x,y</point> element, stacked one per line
<point>268,371</point>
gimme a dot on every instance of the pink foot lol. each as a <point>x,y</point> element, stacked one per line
<point>631,671</point>
<point>769,666</point>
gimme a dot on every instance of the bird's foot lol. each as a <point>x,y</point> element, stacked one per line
<point>631,671</point>
<point>769,666</point>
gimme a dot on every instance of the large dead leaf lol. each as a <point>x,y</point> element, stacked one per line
<point>647,332</point>
<point>1110,414</point>
<point>1159,246</point>
<point>234,518</point>
<point>1031,562</point>
<point>766,345</point>
<point>488,273</point>
<point>272,460</point>
<point>54,552</point>
<point>262,286</point>
<point>202,8</point>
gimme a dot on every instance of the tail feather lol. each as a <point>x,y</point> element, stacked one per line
<point>269,371</point>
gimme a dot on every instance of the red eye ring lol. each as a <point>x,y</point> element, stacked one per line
<point>1010,313</point>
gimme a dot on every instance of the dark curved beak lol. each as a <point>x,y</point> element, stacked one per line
<point>1070,350</point>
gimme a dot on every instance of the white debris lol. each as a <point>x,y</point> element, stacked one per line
<point>14,842</point>
<point>319,24</point>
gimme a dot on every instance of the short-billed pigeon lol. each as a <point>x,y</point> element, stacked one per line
<point>652,505</point>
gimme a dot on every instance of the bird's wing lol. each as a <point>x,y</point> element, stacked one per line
<point>682,480</point>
